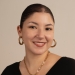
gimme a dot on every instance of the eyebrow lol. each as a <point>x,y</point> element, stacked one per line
<point>34,23</point>
<point>38,24</point>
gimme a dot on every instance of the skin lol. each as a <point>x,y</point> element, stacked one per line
<point>39,27</point>
<point>42,30</point>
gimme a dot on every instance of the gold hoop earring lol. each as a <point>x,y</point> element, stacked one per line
<point>20,41</point>
<point>54,44</point>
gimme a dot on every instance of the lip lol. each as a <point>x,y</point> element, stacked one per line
<point>39,44</point>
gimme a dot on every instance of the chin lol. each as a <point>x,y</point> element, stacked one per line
<point>39,52</point>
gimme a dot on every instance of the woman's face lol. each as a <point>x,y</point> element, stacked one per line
<point>37,32</point>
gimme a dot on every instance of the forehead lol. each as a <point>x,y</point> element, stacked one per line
<point>40,17</point>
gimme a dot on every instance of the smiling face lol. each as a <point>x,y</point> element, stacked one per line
<point>37,32</point>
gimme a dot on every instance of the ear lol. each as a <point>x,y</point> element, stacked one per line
<point>19,30</point>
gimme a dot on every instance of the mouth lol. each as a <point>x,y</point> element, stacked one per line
<point>39,44</point>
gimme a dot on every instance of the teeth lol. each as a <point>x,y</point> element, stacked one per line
<point>39,43</point>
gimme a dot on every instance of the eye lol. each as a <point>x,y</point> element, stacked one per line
<point>48,29</point>
<point>33,27</point>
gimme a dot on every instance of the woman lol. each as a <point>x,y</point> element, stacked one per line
<point>36,32</point>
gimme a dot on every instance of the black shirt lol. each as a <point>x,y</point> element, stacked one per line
<point>64,66</point>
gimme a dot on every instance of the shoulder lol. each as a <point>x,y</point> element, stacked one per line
<point>64,62</point>
<point>14,65</point>
<point>63,59</point>
<point>67,60</point>
<point>11,68</point>
<point>68,64</point>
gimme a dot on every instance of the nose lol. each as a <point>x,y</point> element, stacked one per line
<point>40,34</point>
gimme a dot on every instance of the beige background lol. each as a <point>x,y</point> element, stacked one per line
<point>10,13</point>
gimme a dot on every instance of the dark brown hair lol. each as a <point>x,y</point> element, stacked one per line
<point>32,9</point>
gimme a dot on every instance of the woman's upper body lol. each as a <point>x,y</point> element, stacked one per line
<point>64,66</point>
<point>36,32</point>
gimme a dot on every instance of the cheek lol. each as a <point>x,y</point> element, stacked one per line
<point>49,39</point>
<point>27,36</point>
<point>50,36</point>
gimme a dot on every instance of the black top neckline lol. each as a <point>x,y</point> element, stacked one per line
<point>64,66</point>
<point>49,69</point>
<point>55,65</point>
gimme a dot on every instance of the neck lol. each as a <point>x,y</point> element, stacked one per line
<point>34,60</point>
